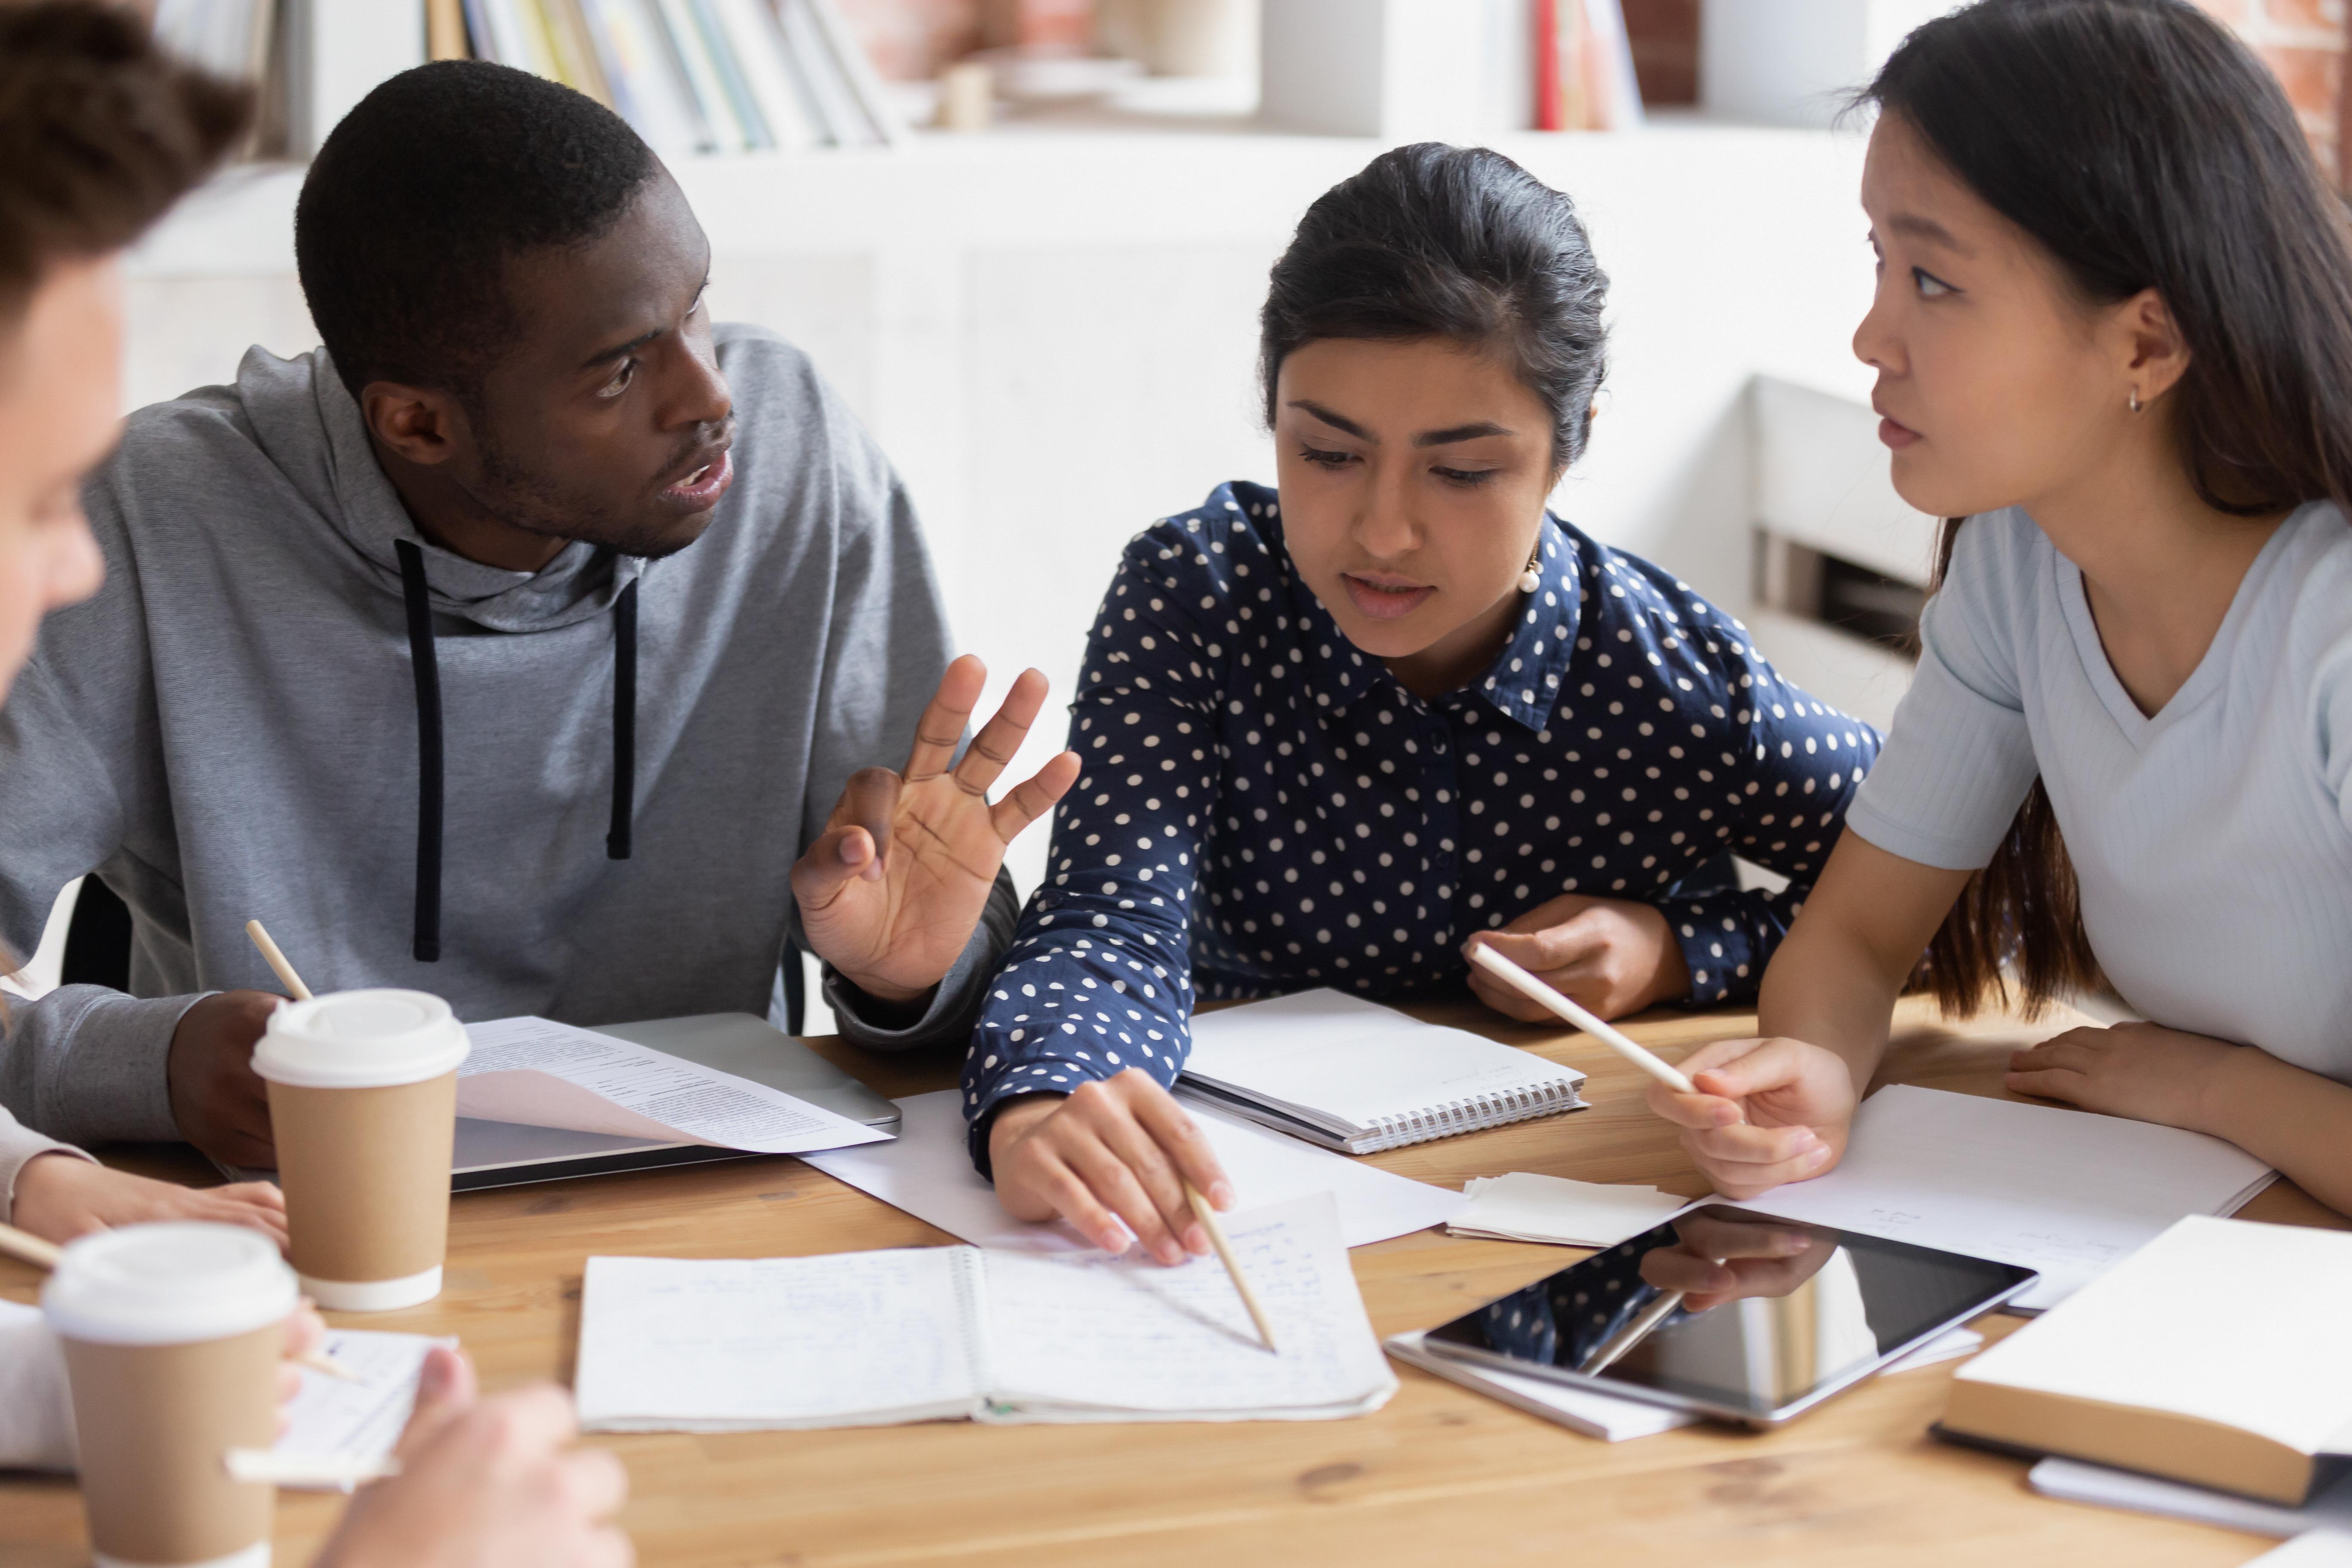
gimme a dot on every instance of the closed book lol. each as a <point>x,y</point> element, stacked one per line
<point>648,82</point>
<point>2216,1354</point>
<point>693,53</point>
<point>757,43</point>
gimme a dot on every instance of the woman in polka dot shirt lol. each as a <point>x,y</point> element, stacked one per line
<point>1329,734</point>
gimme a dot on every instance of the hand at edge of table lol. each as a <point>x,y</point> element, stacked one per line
<point>1768,1112</point>
<point>61,1195</point>
<point>1111,1158</point>
<point>486,1483</point>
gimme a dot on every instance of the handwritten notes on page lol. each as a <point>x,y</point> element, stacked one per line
<point>927,1172</point>
<point>2068,1192</point>
<point>852,1339</point>
<point>868,1337</point>
<point>332,1417</point>
<point>544,1074</point>
<point>1100,1339</point>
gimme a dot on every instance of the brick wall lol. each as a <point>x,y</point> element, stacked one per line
<point>2303,40</point>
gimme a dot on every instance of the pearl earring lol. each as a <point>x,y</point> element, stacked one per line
<point>2135,400</point>
<point>1532,578</point>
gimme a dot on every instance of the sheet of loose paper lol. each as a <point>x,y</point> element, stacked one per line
<point>544,1074</point>
<point>1523,1207</point>
<point>2065,1192</point>
<point>848,1339</point>
<point>337,1418</point>
<point>927,1172</point>
<point>1096,1338</point>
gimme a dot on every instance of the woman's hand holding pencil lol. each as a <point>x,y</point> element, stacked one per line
<point>1755,1113</point>
<point>1762,1112</point>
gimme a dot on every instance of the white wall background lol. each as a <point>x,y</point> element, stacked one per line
<point>1052,334</point>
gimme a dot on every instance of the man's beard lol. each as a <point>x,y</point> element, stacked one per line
<point>524,501</point>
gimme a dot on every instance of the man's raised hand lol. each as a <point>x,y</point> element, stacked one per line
<point>890,892</point>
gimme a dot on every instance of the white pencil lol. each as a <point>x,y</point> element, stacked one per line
<point>283,970</point>
<point>1527,985</point>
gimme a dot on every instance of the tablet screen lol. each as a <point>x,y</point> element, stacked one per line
<point>1776,1310</point>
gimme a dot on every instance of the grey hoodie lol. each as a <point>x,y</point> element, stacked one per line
<point>232,729</point>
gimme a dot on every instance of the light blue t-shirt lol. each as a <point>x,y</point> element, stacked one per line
<point>2213,840</point>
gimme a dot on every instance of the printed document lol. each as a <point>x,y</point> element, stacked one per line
<point>544,1074</point>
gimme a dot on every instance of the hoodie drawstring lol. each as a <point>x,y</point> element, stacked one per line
<point>624,722</point>
<point>426,670</point>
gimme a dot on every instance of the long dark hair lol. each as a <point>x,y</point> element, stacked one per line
<point>2143,147</point>
<point>1432,241</point>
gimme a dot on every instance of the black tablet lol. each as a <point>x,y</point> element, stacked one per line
<point>1740,1316</point>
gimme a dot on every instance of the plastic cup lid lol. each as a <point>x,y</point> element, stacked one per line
<point>168,1284</point>
<point>361,1039</point>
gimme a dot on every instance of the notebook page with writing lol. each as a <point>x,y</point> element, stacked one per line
<point>2069,1193</point>
<point>1367,1075</point>
<point>1100,1339</point>
<point>853,1339</point>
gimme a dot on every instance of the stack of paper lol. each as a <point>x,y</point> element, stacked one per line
<point>338,1418</point>
<point>927,1171</point>
<point>866,1339</point>
<point>1602,1416</point>
<point>544,1074</point>
<point>1526,1207</point>
<point>2068,1192</point>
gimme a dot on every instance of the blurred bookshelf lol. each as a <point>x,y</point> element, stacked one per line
<point>693,77</point>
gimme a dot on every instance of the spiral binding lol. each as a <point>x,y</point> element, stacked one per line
<point>1475,1115</point>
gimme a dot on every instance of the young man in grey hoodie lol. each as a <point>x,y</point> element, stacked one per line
<point>532,643</point>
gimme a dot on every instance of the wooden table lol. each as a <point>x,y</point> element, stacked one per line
<point>1439,1476</point>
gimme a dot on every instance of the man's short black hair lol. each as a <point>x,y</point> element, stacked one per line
<point>424,190</point>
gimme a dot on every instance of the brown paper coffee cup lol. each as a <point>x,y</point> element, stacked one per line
<point>366,1173</point>
<point>363,1102</point>
<point>172,1336</point>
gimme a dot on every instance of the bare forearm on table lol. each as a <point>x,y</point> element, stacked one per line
<point>2297,1120</point>
<point>1830,991</point>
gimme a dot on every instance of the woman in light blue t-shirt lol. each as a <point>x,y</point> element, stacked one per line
<point>2112,334</point>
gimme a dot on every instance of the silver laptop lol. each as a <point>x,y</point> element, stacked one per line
<point>507,1154</point>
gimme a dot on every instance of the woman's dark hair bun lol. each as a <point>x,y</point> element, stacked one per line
<point>1432,241</point>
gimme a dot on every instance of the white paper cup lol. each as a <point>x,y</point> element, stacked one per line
<point>171,1335</point>
<point>363,1105</point>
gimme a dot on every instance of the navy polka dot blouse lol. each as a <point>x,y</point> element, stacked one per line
<point>1264,809</point>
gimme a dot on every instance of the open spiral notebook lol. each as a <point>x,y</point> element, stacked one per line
<point>1355,1076</point>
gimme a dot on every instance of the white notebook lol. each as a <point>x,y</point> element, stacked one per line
<point>2069,1193</point>
<point>868,1339</point>
<point>1353,1075</point>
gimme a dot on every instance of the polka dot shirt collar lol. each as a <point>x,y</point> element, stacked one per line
<point>1522,684</point>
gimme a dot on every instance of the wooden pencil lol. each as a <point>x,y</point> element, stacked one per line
<point>1216,1229</point>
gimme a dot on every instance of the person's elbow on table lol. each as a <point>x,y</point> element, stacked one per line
<point>1112,1158</point>
<point>1768,1112</point>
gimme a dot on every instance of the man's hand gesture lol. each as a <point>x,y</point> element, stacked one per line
<point>892,891</point>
